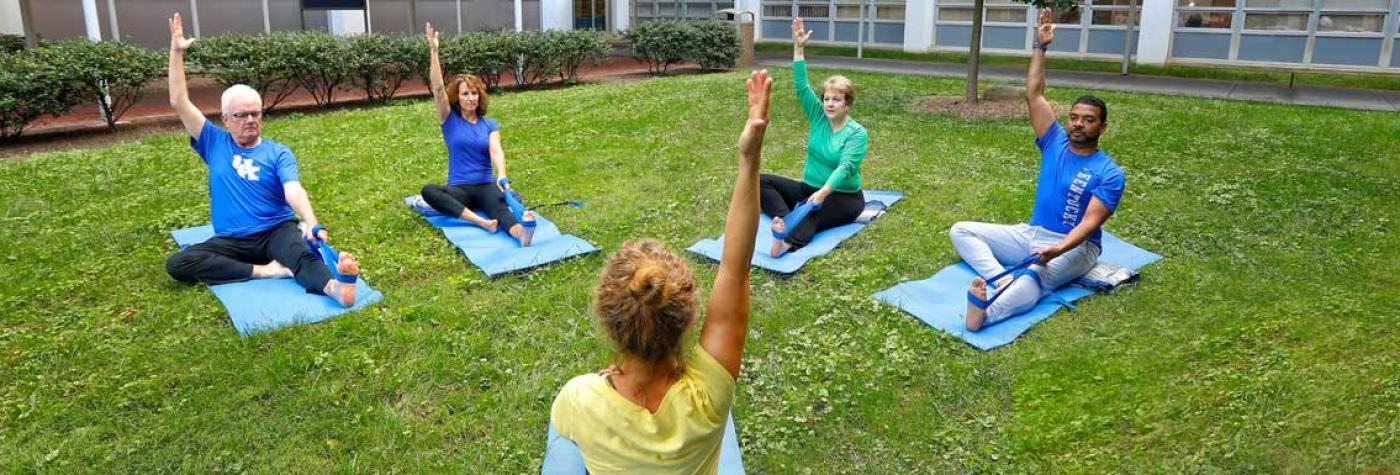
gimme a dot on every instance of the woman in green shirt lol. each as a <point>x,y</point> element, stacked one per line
<point>836,146</point>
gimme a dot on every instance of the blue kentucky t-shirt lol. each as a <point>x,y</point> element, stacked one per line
<point>245,184</point>
<point>1067,181</point>
<point>468,149</point>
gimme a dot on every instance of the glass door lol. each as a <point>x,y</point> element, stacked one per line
<point>591,15</point>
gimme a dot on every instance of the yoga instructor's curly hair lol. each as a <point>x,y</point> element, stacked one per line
<point>646,300</point>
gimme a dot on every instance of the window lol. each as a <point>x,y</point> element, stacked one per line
<point>1112,17</point>
<point>1279,4</point>
<point>954,14</point>
<point>1206,3</point>
<point>781,11</point>
<point>1005,15</point>
<point>889,12</point>
<point>1069,17</point>
<point>1332,22</point>
<point>1276,21</point>
<point>1356,5</point>
<point>813,11</point>
<point>1204,19</point>
<point>848,11</point>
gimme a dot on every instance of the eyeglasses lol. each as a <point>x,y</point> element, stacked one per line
<point>244,116</point>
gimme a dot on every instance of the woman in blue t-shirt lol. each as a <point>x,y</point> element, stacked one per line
<point>476,164</point>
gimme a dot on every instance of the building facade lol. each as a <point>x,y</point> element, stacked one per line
<point>1323,34</point>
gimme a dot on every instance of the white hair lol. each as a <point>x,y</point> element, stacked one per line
<point>236,91</point>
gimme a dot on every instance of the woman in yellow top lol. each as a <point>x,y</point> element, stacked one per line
<point>836,146</point>
<point>662,407</point>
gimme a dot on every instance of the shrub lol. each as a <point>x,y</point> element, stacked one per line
<point>715,44</point>
<point>380,64</point>
<point>261,62</point>
<point>536,57</point>
<point>317,62</point>
<point>485,54</point>
<point>111,70</point>
<point>659,43</point>
<point>578,47</point>
<point>11,44</point>
<point>30,90</point>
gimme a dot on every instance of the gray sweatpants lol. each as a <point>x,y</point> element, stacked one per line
<point>988,247</point>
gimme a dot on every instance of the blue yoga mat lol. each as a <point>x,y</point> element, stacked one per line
<point>822,243</point>
<point>562,457</point>
<point>941,300</point>
<point>267,304</point>
<point>498,253</point>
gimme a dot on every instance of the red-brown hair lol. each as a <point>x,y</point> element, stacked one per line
<point>646,299</point>
<point>454,90</point>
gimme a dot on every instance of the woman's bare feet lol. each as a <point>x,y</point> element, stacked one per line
<point>344,293</point>
<point>488,224</point>
<point>975,314</point>
<point>527,231</point>
<point>271,270</point>
<point>780,246</point>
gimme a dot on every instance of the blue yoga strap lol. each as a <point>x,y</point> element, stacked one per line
<point>328,255</point>
<point>513,201</point>
<point>1015,271</point>
<point>795,218</point>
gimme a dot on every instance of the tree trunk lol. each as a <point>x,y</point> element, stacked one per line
<point>974,51</point>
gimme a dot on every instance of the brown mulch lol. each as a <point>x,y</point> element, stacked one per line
<point>982,110</point>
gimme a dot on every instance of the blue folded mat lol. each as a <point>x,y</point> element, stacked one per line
<point>498,253</point>
<point>941,300</point>
<point>267,304</point>
<point>562,457</point>
<point>822,243</point>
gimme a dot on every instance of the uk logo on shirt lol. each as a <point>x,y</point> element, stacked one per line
<point>245,167</point>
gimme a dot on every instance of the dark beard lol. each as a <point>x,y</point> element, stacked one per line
<point>1088,142</point>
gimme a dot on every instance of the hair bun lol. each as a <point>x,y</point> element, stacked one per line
<point>649,283</point>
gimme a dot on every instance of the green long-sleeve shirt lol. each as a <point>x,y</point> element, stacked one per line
<point>833,158</point>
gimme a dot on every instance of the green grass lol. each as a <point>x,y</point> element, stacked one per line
<point>1231,73</point>
<point>1265,342</point>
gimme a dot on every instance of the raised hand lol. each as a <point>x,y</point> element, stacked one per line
<point>1045,31</point>
<point>799,35</point>
<point>760,88</point>
<point>432,36</point>
<point>178,42</point>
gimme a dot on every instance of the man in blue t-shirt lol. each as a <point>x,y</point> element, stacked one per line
<point>255,197</point>
<point>1077,190</point>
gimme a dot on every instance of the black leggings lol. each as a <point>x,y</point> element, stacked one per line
<point>452,200</point>
<point>230,259</point>
<point>778,195</point>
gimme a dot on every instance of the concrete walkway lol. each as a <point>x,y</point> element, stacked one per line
<point>1366,99</point>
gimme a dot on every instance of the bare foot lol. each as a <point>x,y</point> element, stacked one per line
<point>527,233</point>
<point>488,224</point>
<point>271,270</point>
<point>778,226</point>
<point>344,293</point>
<point>780,247</point>
<point>975,315</point>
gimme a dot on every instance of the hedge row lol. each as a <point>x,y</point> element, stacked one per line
<point>52,78</point>
<point>712,44</point>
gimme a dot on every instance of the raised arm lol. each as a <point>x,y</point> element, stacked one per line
<point>1042,115</point>
<point>190,115</point>
<point>727,313</point>
<point>440,103</point>
<point>806,97</point>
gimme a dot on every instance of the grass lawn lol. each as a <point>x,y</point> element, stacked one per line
<point>1230,73</point>
<point>1265,342</point>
